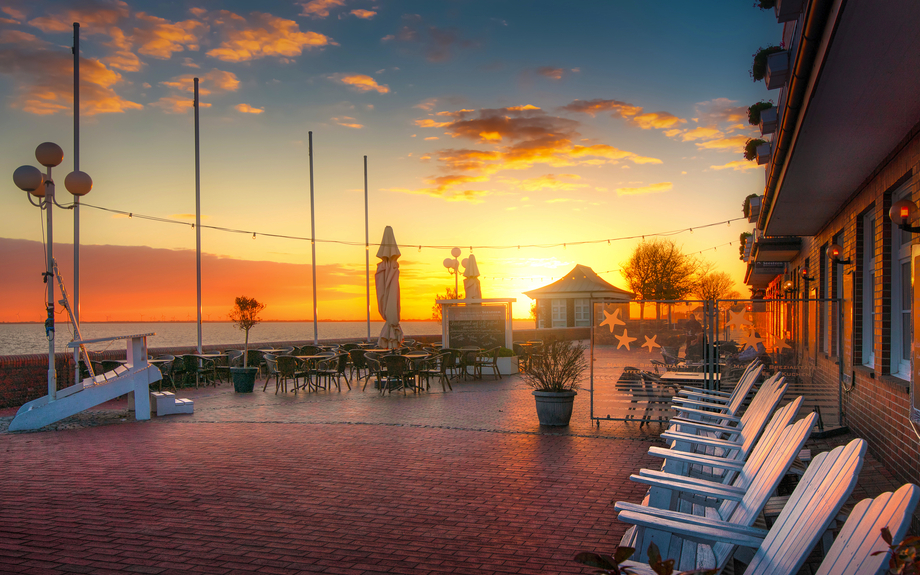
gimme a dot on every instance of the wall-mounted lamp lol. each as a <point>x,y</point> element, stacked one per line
<point>901,212</point>
<point>834,252</point>
<point>788,286</point>
<point>805,277</point>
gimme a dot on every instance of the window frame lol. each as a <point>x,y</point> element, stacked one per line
<point>868,288</point>
<point>900,309</point>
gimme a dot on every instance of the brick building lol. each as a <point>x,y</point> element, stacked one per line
<point>844,145</point>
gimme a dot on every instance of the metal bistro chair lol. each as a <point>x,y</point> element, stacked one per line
<point>489,359</point>
<point>166,370</point>
<point>375,369</point>
<point>271,370</point>
<point>290,369</point>
<point>358,363</point>
<point>435,366</point>
<point>397,374</point>
<point>468,357</point>
<point>332,369</point>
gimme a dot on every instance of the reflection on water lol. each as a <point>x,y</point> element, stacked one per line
<point>30,338</point>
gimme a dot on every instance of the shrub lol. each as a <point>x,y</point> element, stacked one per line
<point>759,68</point>
<point>755,110</point>
<point>750,148</point>
<point>558,367</point>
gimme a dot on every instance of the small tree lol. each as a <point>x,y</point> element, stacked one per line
<point>716,285</point>
<point>436,308</point>
<point>659,270</point>
<point>245,314</point>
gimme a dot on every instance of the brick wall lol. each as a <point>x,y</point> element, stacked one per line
<point>876,405</point>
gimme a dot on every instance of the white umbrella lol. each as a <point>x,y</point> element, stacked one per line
<point>471,278</point>
<point>386,280</point>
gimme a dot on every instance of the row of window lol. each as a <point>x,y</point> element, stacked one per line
<point>582,312</point>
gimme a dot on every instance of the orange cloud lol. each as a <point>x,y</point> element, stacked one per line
<point>320,8</point>
<point>44,81</point>
<point>91,14</point>
<point>360,83</point>
<point>429,123</point>
<point>658,120</point>
<point>629,112</point>
<point>262,35</point>
<point>737,165</point>
<point>247,109</point>
<point>701,133</point>
<point>214,82</point>
<point>735,143</point>
<point>553,182</point>
<point>650,189</point>
<point>347,122</point>
<point>160,38</point>
<point>364,14</point>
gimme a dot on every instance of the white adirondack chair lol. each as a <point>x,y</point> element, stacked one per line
<point>690,401</point>
<point>725,466</point>
<point>747,379</point>
<point>740,505</point>
<point>861,536</point>
<point>817,498</point>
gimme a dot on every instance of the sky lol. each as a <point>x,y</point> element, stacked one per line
<point>487,125</point>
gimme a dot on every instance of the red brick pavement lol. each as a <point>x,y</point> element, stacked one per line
<point>286,498</point>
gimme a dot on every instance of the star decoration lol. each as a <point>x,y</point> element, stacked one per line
<point>625,340</point>
<point>781,345</point>
<point>738,320</point>
<point>612,320</point>
<point>751,340</point>
<point>651,343</point>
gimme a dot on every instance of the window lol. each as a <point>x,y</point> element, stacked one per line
<point>836,292</point>
<point>582,312</point>
<point>868,290</point>
<point>901,295</point>
<point>558,312</point>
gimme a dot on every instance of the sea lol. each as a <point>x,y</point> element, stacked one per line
<point>26,338</point>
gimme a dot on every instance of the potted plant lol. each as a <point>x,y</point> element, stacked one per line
<point>754,112</point>
<point>750,148</point>
<point>759,67</point>
<point>553,374</point>
<point>507,362</point>
<point>745,237</point>
<point>245,314</point>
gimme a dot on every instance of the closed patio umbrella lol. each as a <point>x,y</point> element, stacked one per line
<point>471,278</point>
<point>386,279</point>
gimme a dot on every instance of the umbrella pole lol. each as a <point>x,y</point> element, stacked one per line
<point>367,256</point>
<point>197,216</point>
<point>313,244</point>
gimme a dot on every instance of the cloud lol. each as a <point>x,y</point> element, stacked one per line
<point>701,133</point>
<point>650,189</point>
<point>550,72</point>
<point>91,14</point>
<point>427,105</point>
<point>363,14</point>
<point>319,8</point>
<point>215,82</point>
<point>247,109</point>
<point>360,83</point>
<point>160,38</point>
<point>519,137</point>
<point>436,43</point>
<point>44,80</point>
<point>735,143</point>
<point>737,165</point>
<point>553,182</point>
<point>262,35</point>
<point>721,110</point>
<point>629,112</point>
<point>432,138</point>
<point>347,122</point>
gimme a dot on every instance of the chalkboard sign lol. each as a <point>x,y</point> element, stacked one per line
<point>481,326</point>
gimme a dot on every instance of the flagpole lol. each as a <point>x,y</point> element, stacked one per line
<point>198,215</point>
<point>367,255</point>
<point>313,244</point>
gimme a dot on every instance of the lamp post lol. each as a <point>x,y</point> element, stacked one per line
<point>34,183</point>
<point>453,267</point>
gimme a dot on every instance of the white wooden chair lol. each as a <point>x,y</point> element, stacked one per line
<point>743,387</point>
<point>817,498</point>
<point>692,410</point>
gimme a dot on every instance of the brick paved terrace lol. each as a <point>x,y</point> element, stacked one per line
<point>348,483</point>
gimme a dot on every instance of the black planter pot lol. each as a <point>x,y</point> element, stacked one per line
<point>244,378</point>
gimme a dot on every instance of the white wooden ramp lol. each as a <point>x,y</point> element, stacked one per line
<point>133,379</point>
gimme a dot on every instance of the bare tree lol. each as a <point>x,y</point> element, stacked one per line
<point>436,308</point>
<point>659,270</point>
<point>716,285</point>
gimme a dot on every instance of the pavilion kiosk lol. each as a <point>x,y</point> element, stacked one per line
<point>484,323</point>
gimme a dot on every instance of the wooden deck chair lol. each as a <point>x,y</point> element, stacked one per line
<point>723,415</point>
<point>725,466</point>
<point>817,498</point>
<point>748,378</point>
<point>741,504</point>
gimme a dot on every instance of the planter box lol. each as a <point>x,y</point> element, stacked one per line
<point>554,408</point>
<point>768,121</point>
<point>508,365</point>
<point>763,154</point>
<point>777,70</point>
<point>753,211</point>
<point>787,10</point>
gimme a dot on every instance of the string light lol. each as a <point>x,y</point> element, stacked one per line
<point>433,246</point>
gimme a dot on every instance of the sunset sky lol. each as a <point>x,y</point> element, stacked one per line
<point>485,123</point>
